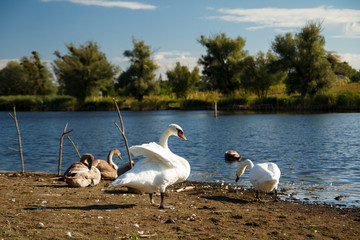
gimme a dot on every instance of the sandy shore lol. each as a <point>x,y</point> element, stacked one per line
<point>42,206</point>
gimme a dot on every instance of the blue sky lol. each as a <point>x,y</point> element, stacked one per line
<point>171,27</point>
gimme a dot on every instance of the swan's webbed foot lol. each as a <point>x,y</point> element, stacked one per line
<point>166,207</point>
<point>162,205</point>
<point>152,201</point>
<point>276,199</point>
<point>257,196</point>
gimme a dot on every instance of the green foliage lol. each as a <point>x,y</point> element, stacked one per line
<point>196,104</point>
<point>356,77</point>
<point>149,104</point>
<point>226,102</point>
<point>29,77</point>
<point>37,103</point>
<point>222,64</point>
<point>348,99</point>
<point>84,71</point>
<point>340,68</point>
<point>182,81</point>
<point>324,98</point>
<point>139,79</point>
<point>258,74</point>
<point>92,103</point>
<point>305,60</point>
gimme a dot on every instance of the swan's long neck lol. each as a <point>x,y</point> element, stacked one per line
<point>110,161</point>
<point>164,138</point>
<point>241,169</point>
<point>90,161</point>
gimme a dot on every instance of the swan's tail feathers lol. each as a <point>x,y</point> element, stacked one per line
<point>116,183</point>
<point>267,185</point>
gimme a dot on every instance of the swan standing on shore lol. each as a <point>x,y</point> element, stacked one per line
<point>83,173</point>
<point>108,169</point>
<point>263,176</point>
<point>159,170</point>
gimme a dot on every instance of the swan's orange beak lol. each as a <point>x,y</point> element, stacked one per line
<point>181,134</point>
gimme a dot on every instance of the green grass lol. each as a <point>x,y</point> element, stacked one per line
<point>342,97</point>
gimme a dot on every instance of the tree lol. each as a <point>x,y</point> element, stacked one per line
<point>222,63</point>
<point>305,60</point>
<point>38,75</point>
<point>139,79</point>
<point>340,68</point>
<point>13,79</point>
<point>28,77</point>
<point>84,71</point>
<point>258,74</point>
<point>182,80</point>
<point>356,77</point>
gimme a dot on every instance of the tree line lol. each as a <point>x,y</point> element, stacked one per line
<point>298,60</point>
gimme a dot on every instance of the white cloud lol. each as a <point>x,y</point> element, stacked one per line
<point>4,62</point>
<point>347,20</point>
<point>166,61</point>
<point>107,3</point>
<point>352,59</point>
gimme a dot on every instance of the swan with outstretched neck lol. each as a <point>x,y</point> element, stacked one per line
<point>83,173</point>
<point>263,176</point>
<point>159,170</point>
<point>108,169</point>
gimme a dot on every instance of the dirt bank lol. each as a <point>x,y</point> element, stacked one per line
<point>42,206</point>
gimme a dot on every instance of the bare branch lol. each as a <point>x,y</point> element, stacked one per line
<point>76,147</point>
<point>19,140</point>
<point>61,144</point>
<point>16,150</point>
<point>122,131</point>
<point>11,116</point>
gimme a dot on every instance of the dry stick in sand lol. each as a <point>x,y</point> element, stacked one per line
<point>19,140</point>
<point>130,164</point>
<point>61,143</point>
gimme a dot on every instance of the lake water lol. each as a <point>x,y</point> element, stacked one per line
<point>318,154</point>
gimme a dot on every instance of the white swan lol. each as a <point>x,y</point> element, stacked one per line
<point>83,174</point>
<point>263,176</point>
<point>160,169</point>
<point>108,169</point>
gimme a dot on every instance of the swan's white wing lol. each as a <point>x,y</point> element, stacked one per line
<point>265,176</point>
<point>274,169</point>
<point>155,153</point>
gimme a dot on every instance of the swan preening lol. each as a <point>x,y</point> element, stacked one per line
<point>263,176</point>
<point>83,173</point>
<point>232,156</point>
<point>108,169</point>
<point>159,170</point>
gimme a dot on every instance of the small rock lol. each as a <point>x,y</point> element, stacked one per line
<point>170,221</point>
<point>339,198</point>
<point>40,225</point>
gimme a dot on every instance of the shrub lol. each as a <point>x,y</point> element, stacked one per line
<point>348,98</point>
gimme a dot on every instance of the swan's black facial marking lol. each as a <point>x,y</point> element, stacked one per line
<point>181,134</point>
